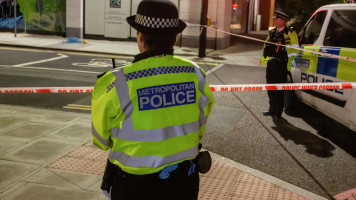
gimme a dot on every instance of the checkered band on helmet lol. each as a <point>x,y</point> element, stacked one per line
<point>154,22</point>
<point>159,70</point>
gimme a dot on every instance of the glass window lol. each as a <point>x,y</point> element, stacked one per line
<point>341,30</point>
<point>312,30</point>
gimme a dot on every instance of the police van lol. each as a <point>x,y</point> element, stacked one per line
<point>332,30</point>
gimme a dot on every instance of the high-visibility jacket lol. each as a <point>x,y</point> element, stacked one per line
<point>151,113</point>
<point>292,43</point>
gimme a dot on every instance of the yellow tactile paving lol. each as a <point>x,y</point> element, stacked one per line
<point>213,188</point>
<point>222,182</point>
<point>251,187</point>
<point>221,171</point>
<point>85,159</point>
<point>283,194</point>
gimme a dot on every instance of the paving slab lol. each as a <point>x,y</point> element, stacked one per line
<point>31,191</point>
<point>8,122</point>
<point>11,171</point>
<point>57,118</point>
<point>50,178</point>
<point>41,151</point>
<point>96,186</point>
<point>64,179</point>
<point>30,131</point>
<point>79,130</point>
<point>9,143</point>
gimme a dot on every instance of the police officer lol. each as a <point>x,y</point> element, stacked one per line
<point>152,113</point>
<point>277,60</point>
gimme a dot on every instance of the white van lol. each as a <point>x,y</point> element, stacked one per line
<point>331,29</point>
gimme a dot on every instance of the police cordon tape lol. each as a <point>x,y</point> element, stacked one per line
<point>215,88</point>
<point>287,46</point>
<point>283,86</point>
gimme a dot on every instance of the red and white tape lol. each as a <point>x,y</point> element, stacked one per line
<point>351,59</point>
<point>215,88</point>
<point>283,86</point>
<point>47,90</point>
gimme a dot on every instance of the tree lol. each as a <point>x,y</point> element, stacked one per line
<point>299,11</point>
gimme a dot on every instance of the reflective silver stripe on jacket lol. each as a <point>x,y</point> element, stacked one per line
<point>154,134</point>
<point>129,133</point>
<point>152,161</point>
<point>97,136</point>
<point>204,100</point>
<point>292,54</point>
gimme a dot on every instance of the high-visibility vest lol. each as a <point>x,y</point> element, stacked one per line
<point>151,113</point>
<point>291,42</point>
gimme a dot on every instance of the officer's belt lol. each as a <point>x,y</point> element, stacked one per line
<point>183,166</point>
<point>276,58</point>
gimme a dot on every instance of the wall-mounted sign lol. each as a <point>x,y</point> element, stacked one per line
<point>115,3</point>
<point>116,12</point>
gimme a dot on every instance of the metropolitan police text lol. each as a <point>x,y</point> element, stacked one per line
<point>166,95</point>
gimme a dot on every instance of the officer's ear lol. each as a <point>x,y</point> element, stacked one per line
<point>139,36</point>
<point>140,42</point>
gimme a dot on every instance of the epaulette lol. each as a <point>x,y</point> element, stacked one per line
<point>100,75</point>
<point>292,29</point>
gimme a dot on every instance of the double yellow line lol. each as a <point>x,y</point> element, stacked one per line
<point>207,63</point>
<point>77,107</point>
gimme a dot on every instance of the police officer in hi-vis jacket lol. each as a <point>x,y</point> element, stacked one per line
<point>278,59</point>
<point>152,113</point>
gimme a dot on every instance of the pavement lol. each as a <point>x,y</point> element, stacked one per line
<point>48,154</point>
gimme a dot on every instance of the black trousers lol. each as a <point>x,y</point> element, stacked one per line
<point>276,102</point>
<point>179,186</point>
<point>276,72</point>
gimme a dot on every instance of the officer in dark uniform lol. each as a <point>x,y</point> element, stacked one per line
<point>277,63</point>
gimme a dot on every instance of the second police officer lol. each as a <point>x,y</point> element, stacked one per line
<point>278,59</point>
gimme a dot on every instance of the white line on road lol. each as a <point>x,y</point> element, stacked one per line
<point>80,71</point>
<point>61,56</point>
<point>214,69</point>
<point>50,69</point>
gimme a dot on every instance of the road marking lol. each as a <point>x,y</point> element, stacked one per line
<point>51,69</point>
<point>61,56</point>
<point>23,49</point>
<point>214,69</point>
<point>77,107</point>
<point>96,54</point>
<point>102,62</point>
<point>206,63</point>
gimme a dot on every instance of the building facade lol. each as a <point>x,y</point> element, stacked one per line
<point>106,19</point>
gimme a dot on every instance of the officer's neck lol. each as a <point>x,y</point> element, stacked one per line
<point>280,29</point>
<point>148,54</point>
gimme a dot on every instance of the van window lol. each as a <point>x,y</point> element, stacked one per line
<point>341,31</point>
<point>313,28</point>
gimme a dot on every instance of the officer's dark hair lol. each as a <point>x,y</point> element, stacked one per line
<point>158,42</point>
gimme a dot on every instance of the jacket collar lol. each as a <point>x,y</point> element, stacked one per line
<point>148,54</point>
